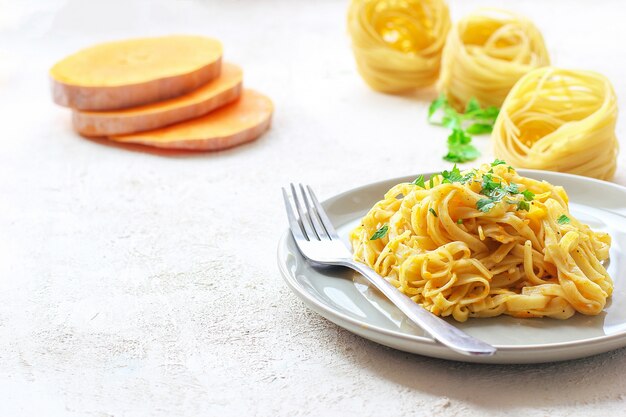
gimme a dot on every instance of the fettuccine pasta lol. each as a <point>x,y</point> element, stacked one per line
<point>486,53</point>
<point>560,120</point>
<point>397,43</point>
<point>486,242</point>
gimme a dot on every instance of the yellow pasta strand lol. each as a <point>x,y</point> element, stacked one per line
<point>397,43</point>
<point>486,53</point>
<point>456,260</point>
<point>559,120</point>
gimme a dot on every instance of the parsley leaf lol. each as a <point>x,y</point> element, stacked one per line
<point>486,115</point>
<point>563,219</point>
<point>460,148</point>
<point>439,103</point>
<point>459,221</point>
<point>479,128</point>
<point>452,176</point>
<point>382,232</point>
<point>512,188</point>
<point>495,192</point>
<point>474,120</point>
<point>431,182</point>
<point>419,181</point>
<point>528,195</point>
<point>485,204</point>
<point>467,177</point>
<point>451,120</point>
<point>489,184</point>
<point>523,205</point>
<point>497,162</point>
<point>472,105</point>
<point>458,137</point>
<point>470,175</point>
<point>462,153</point>
<point>434,213</point>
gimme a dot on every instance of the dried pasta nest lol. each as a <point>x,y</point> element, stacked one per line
<point>560,120</point>
<point>398,44</point>
<point>486,53</point>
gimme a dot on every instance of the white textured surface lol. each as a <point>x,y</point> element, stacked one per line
<point>136,284</point>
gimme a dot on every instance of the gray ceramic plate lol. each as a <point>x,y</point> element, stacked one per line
<point>342,297</point>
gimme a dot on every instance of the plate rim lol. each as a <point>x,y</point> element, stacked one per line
<point>308,298</point>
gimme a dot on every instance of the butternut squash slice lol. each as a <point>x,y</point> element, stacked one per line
<point>236,123</point>
<point>222,90</point>
<point>133,72</point>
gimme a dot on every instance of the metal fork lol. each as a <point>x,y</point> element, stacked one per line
<point>319,242</point>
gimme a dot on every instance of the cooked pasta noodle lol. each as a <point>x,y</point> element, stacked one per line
<point>486,53</point>
<point>397,43</point>
<point>524,255</point>
<point>559,120</point>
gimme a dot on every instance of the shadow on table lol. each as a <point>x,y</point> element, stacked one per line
<point>498,386</point>
<point>171,153</point>
<point>425,95</point>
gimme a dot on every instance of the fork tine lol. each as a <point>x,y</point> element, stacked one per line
<point>304,219</point>
<point>296,230</point>
<point>315,220</point>
<point>330,229</point>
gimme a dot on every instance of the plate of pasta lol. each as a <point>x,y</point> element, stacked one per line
<point>531,262</point>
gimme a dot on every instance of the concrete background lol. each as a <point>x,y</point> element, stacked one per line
<point>135,283</point>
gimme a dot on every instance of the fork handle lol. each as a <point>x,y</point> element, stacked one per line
<point>438,328</point>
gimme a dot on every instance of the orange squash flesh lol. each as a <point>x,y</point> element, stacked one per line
<point>236,123</point>
<point>216,93</point>
<point>133,72</point>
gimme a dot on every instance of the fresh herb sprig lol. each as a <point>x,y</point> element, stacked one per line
<point>460,148</point>
<point>474,121</point>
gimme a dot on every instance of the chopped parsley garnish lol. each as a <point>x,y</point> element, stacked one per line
<point>492,188</point>
<point>419,181</point>
<point>452,176</point>
<point>528,195</point>
<point>563,219</point>
<point>431,182</point>
<point>489,184</point>
<point>460,221</point>
<point>470,175</point>
<point>495,192</point>
<point>474,121</point>
<point>512,188</point>
<point>382,232</point>
<point>523,205</point>
<point>497,162</point>
<point>485,204</point>
<point>433,212</point>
